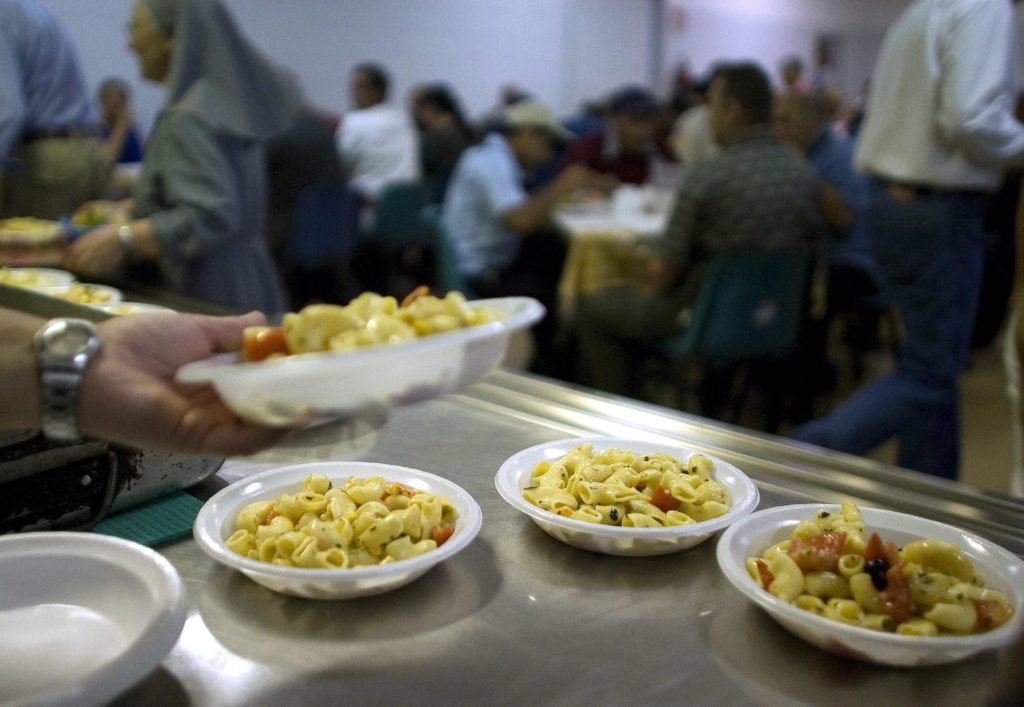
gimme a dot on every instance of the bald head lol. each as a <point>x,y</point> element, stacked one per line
<point>799,117</point>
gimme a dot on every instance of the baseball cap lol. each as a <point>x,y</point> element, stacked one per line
<point>531,114</point>
<point>633,100</point>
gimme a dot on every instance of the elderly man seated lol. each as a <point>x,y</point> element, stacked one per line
<point>502,235</point>
<point>756,194</point>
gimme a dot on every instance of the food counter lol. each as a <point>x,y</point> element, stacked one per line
<point>520,618</point>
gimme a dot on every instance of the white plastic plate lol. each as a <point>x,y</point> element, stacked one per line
<point>348,383</point>
<point>83,617</point>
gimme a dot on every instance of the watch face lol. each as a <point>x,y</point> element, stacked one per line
<point>69,342</point>
<point>69,337</point>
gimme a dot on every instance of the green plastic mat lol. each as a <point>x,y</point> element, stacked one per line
<point>155,523</point>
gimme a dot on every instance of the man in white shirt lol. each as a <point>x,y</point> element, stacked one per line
<point>377,141</point>
<point>939,128</point>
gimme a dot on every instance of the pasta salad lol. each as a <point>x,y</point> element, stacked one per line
<point>358,523</point>
<point>925,588</point>
<point>623,488</point>
<point>368,320</point>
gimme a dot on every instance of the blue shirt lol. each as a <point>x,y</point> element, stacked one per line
<point>487,182</point>
<point>832,157</point>
<point>42,87</point>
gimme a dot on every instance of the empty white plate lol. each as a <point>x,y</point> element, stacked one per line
<point>83,617</point>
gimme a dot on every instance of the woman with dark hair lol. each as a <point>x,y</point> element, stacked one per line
<point>444,131</point>
<point>117,124</point>
<point>198,207</point>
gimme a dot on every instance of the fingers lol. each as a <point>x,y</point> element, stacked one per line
<point>225,333</point>
<point>209,431</point>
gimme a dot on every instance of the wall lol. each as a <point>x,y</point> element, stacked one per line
<point>562,51</point>
<point>700,32</point>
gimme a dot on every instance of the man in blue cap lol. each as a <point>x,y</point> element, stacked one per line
<point>627,144</point>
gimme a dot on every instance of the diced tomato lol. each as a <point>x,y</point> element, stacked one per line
<point>818,554</point>
<point>263,343</point>
<point>271,514</point>
<point>991,614</point>
<point>420,291</point>
<point>895,598</point>
<point>440,534</point>
<point>664,500</point>
<point>766,574</point>
<point>887,551</point>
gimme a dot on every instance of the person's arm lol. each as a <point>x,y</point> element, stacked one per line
<point>674,249</point>
<point>976,106</point>
<point>204,198</point>
<point>534,213</point>
<point>128,394</point>
<point>119,135</point>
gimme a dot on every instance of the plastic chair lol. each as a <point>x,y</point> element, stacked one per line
<point>397,221</point>
<point>316,257</point>
<point>324,225</point>
<point>749,310</point>
<point>446,270</point>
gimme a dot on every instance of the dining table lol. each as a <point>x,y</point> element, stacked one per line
<point>609,241</point>
<point>518,617</point>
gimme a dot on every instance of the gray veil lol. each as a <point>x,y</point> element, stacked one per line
<point>217,72</point>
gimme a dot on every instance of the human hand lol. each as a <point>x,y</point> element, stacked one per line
<point>129,395</point>
<point>97,253</point>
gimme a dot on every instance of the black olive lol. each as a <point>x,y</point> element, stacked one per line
<point>877,569</point>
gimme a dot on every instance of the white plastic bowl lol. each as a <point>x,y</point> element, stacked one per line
<point>349,383</point>
<point>38,277</point>
<point>1003,571</point>
<point>82,617</point>
<point>216,522</point>
<point>514,476</point>
<point>130,308</point>
<point>109,294</point>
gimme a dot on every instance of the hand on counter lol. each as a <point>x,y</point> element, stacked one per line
<point>129,394</point>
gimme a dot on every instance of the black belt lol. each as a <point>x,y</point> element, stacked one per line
<point>51,133</point>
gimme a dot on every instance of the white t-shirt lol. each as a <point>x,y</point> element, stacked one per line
<point>378,145</point>
<point>940,109</point>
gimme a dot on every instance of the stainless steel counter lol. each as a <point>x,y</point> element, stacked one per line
<point>520,618</point>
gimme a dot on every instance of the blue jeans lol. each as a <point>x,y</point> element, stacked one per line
<point>929,248</point>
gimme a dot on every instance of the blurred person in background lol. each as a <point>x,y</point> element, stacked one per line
<point>938,130</point>
<point>117,124</point>
<point>377,141</point>
<point>853,283</point>
<point>199,206</point>
<point>690,138</point>
<point>444,132</point>
<point>51,157</point>
<point>791,69</point>
<point>626,146</point>
<point>502,235</point>
<point>756,195</point>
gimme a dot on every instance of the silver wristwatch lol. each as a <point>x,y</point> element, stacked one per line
<point>64,348</point>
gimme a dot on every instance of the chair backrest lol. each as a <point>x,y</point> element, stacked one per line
<point>325,225</point>
<point>749,306</point>
<point>397,221</point>
<point>446,270</point>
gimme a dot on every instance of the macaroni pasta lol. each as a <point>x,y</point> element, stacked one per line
<point>362,522</point>
<point>623,488</point>
<point>925,588</point>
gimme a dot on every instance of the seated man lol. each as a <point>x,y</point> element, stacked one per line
<point>377,141</point>
<point>502,236</point>
<point>755,195</point>
<point>802,121</point>
<point>627,144</point>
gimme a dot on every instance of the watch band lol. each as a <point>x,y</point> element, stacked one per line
<point>64,348</point>
<point>59,397</point>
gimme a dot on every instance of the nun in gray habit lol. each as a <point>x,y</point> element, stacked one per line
<point>200,201</point>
